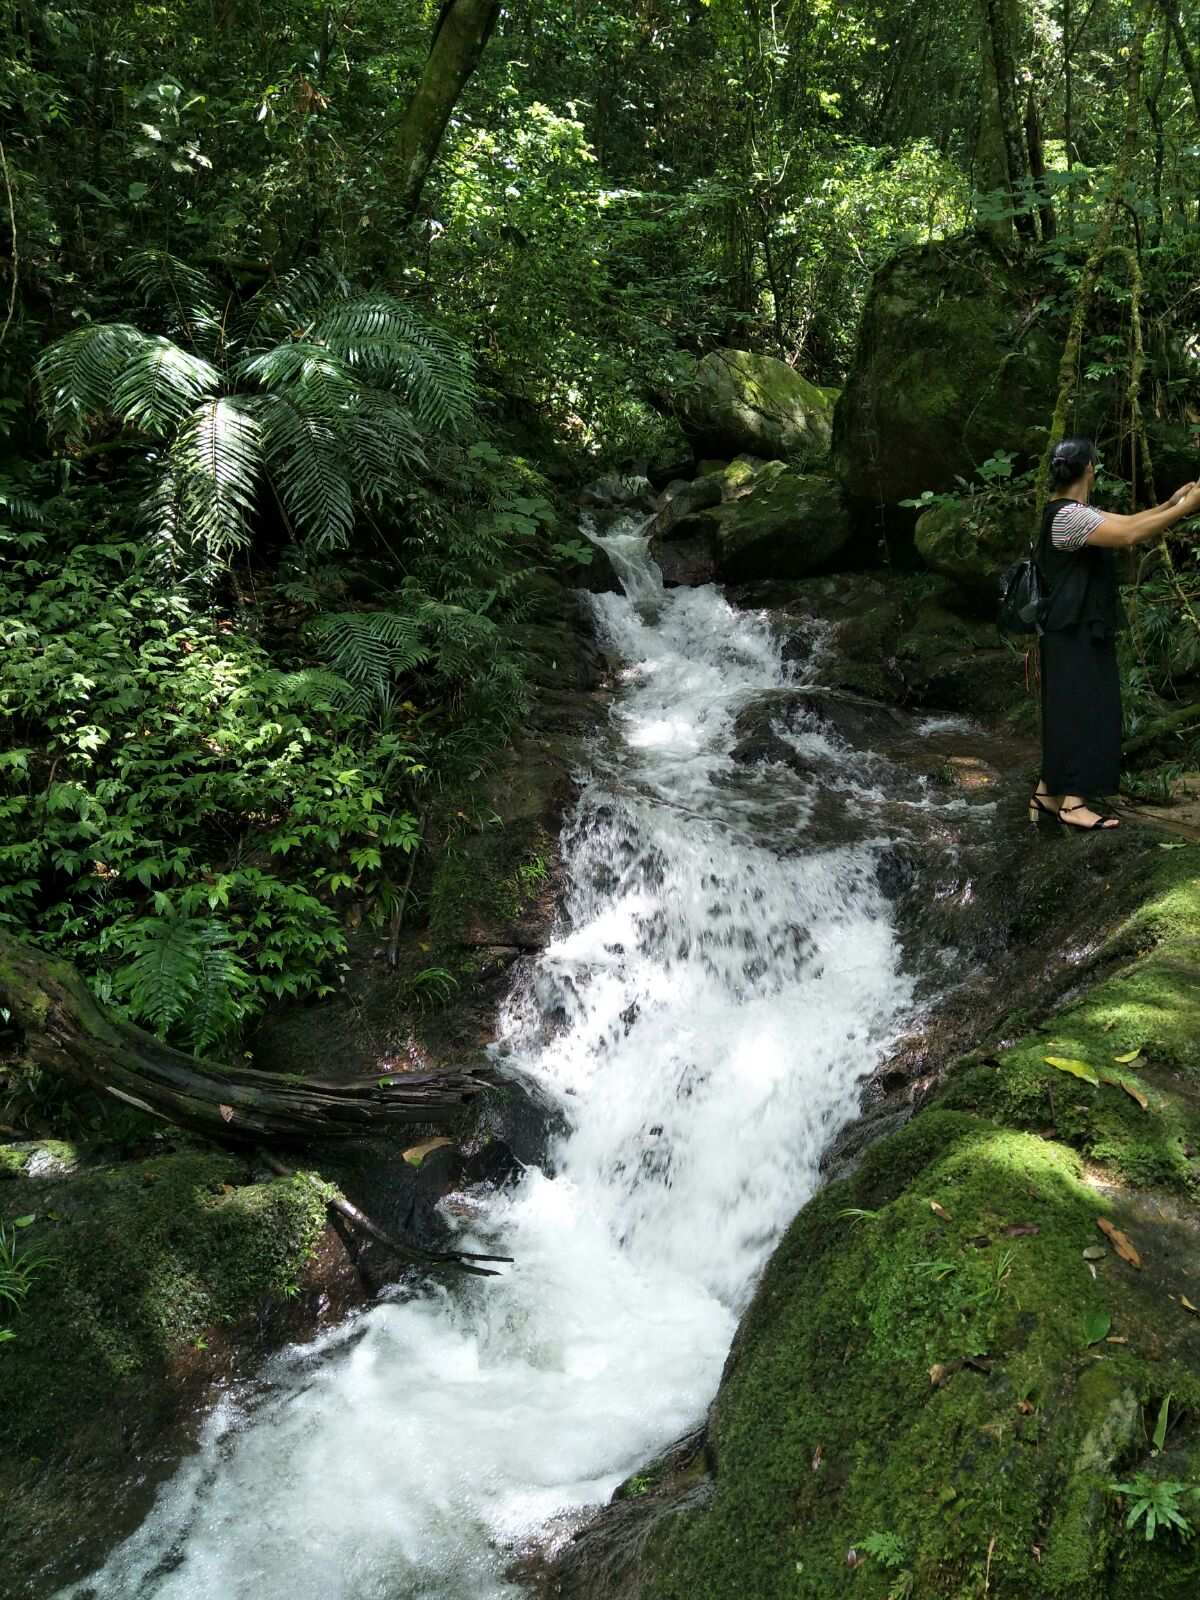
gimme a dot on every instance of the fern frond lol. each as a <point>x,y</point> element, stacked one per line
<point>315,688</point>
<point>221,975</point>
<point>183,297</point>
<point>384,443</point>
<point>395,347</point>
<point>369,648</point>
<point>160,981</point>
<point>307,461</point>
<point>216,459</point>
<point>76,375</point>
<point>286,307</point>
<point>317,378</point>
<point>159,386</point>
<point>18,507</point>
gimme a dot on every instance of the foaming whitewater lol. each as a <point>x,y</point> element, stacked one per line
<point>704,1021</point>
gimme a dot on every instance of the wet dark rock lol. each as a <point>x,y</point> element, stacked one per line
<point>689,557</point>
<point>861,723</point>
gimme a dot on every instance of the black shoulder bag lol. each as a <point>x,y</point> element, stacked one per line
<point>1022,596</point>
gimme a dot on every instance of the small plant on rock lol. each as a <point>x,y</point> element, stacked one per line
<point>1157,1501</point>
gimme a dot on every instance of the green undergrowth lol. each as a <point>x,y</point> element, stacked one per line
<point>947,1365</point>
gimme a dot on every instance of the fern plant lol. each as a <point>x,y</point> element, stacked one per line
<point>324,397</point>
<point>185,978</point>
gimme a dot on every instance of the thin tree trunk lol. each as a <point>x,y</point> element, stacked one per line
<point>1160,143</point>
<point>459,39</point>
<point>1069,113</point>
<point>1187,56</point>
<point>1037,166</point>
<point>999,27</point>
<point>1100,247</point>
<point>65,1030</point>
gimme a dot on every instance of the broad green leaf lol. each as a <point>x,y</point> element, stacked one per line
<point>1096,1325</point>
<point>1077,1069</point>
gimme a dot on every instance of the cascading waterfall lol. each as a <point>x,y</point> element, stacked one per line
<point>704,1020</point>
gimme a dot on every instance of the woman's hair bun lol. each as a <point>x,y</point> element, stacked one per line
<point>1068,460</point>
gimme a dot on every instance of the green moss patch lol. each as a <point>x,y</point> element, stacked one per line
<point>145,1257</point>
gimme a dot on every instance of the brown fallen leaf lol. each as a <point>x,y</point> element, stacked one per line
<point>940,1211</point>
<point>1115,1338</point>
<point>980,1241</point>
<point>818,1457</point>
<point>1025,1407</point>
<point>1020,1230</point>
<point>940,1371</point>
<point>1121,1242</point>
<point>1130,1089</point>
<point>226,1113</point>
<point>416,1153</point>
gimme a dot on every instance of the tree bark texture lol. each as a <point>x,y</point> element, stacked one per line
<point>999,62</point>
<point>459,39</point>
<point>66,1030</point>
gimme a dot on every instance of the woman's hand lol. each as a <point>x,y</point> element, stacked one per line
<point>1182,493</point>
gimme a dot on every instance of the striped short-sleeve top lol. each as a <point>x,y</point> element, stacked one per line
<point>1072,524</point>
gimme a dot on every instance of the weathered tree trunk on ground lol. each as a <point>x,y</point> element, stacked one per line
<point>65,1030</point>
<point>459,39</point>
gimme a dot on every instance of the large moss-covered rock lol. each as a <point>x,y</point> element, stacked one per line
<point>972,540</point>
<point>775,523</point>
<point>957,357</point>
<point>736,400</point>
<point>160,1276</point>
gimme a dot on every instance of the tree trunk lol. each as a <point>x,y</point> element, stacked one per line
<point>1187,56</point>
<point>66,1030</point>
<point>1037,166</point>
<point>459,39</point>
<point>1101,245</point>
<point>999,64</point>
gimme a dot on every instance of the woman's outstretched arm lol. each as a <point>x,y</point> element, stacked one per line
<point>1117,532</point>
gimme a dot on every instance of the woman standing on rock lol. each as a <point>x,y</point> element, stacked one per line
<point>1081,691</point>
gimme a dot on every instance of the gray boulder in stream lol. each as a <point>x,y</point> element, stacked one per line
<point>737,400</point>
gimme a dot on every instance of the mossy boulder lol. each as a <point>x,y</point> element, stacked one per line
<point>736,400</point>
<point>160,1274</point>
<point>773,522</point>
<point>973,540</point>
<point>957,357</point>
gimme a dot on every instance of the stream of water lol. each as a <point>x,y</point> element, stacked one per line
<point>704,1019</point>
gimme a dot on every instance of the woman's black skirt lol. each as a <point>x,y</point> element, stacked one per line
<point>1081,712</point>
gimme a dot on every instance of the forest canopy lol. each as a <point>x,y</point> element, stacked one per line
<point>312,314</point>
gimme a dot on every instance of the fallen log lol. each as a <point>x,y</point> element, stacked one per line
<point>65,1029</point>
<point>403,1250</point>
<point>1177,721</point>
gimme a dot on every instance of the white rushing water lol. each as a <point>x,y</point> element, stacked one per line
<point>704,1020</point>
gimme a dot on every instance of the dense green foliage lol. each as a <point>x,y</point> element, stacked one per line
<point>268,515</point>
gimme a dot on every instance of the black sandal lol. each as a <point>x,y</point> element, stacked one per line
<point>1036,807</point>
<point>1103,819</point>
